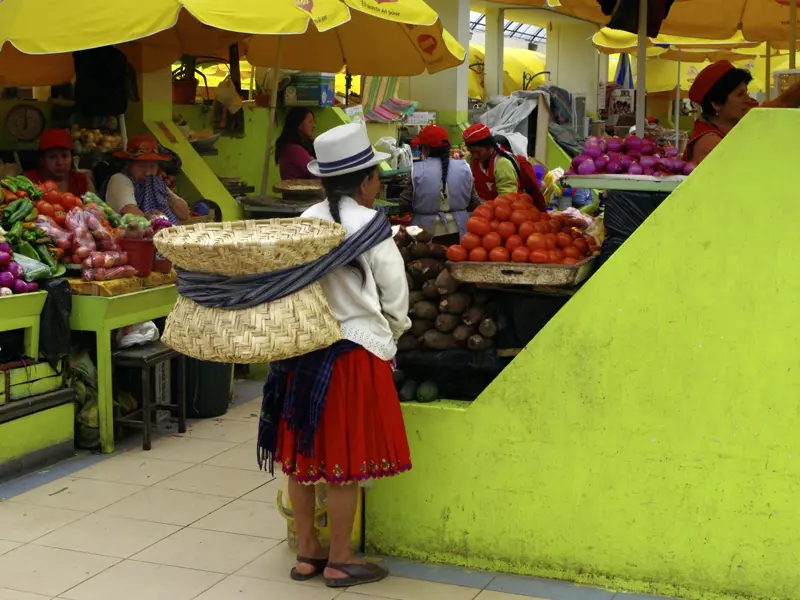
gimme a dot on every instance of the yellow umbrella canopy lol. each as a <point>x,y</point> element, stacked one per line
<point>318,35</point>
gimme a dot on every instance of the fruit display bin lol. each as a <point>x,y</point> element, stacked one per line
<point>509,273</point>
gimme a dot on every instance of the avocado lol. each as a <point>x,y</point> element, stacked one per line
<point>409,391</point>
<point>427,392</point>
<point>399,378</point>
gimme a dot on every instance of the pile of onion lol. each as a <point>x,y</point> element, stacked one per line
<point>632,156</point>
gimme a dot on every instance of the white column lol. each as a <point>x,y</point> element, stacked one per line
<point>446,92</point>
<point>573,62</point>
<point>495,44</point>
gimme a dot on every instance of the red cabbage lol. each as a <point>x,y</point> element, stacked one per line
<point>587,167</point>
<point>688,167</point>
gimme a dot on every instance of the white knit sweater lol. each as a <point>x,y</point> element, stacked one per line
<point>373,313</point>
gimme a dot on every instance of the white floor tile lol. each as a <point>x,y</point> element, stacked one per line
<point>207,550</point>
<point>136,469</point>
<point>49,571</point>
<point>78,494</point>
<point>109,536</point>
<point>8,546</point>
<point>269,491</point>
<point>131,580</point>
<point>399,588</point>
<point>275,565</point>
<point>246,588</point>
<point>183,449</point>
<point>26,522</point>
<point>215,481</point>
<point>241,457</point>
<point>247,518</point>
<point>489,595</point>
<point>224,431</point>
<point>165,506</point>
<point>6,594</point>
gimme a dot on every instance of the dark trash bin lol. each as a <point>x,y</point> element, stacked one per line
<point>208,391</point>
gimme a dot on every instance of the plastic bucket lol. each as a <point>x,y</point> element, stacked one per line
<point>161,264</point>
<point>184,92</point>
<point>141,254</point>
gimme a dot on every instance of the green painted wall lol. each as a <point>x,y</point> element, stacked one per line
<point>647,438</point>
<point>24,436</point>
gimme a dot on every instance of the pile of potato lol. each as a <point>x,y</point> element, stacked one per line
<point>445,314</point>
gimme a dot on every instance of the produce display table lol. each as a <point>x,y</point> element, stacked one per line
<point>274,208</point>
<point>629,183</point>
<point>102,315</point>
<point>23,311</point>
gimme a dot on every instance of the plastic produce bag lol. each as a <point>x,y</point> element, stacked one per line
<point>227,95</point>
<point>137,335</point>
<point>32,269</point>
<point>56,313</point>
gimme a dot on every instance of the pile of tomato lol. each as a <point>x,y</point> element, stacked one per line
<point>54,204</point>
<point>511,229</point>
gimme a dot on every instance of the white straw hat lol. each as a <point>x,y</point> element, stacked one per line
<point>344,149</point>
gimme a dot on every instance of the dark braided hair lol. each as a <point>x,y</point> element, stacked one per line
<point>443,154</point>
<point>346,185</point>
<point>494,142</point>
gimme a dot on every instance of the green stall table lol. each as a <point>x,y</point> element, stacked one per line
<point>23,312</point>
<point>102,315</point>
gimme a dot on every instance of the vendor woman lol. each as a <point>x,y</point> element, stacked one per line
<point>721,92</point>
<point>138,189</point>
<point>295,146</point>
<point>494,169</point>
<point>440,191</point>
<point>55,164</point>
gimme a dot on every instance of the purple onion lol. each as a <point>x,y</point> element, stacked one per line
<point>593,150</point>
<point>587,167</point>
<point>5,258</point>
<point>614,155</point>
<point>688,167</point>
<point>648,147</point>
<point>597,140</point>
<point>601,163</point>
<point>647,162</point>
<point>633,144</point>
<point>570,171</point>
<point>613,144</point>
<point>5,247</point>
<point>648,171</point>
<point>660,174</point>
<point>15,270</point>
<point>578,160</point>
<point>19,287</point>
<point>33,286</point>
<point>671,151</point>
<point>635,169</point>
<point>614,167</point>
<point>6,279</point>
<point>625,161</point>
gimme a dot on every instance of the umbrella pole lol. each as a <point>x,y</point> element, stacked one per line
<point>641,66</point>
<point>678,101</point>
<point>273,108</point>
<point>792,33</point>
<point>768,77</point>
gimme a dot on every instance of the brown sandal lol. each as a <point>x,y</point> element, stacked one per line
<point>319,565</point>
<point>356,575</point>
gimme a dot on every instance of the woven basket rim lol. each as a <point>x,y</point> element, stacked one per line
<point>327,228</point>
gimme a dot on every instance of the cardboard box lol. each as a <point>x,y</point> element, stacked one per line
<point>310,89</point>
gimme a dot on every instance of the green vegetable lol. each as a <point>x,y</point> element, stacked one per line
<point>26,185</point>
<point>26,249</point>
<point>22,211</point>
<point>427,392</point>
<point>409,391</point>
<point>113,217</point>
<point>9,184</point>
<point>15,234</point>
<point>44,257</point>
<point>31,216</point>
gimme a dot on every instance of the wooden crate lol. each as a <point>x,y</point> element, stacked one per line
<point>521,273</point>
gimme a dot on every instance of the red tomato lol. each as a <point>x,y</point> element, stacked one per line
<point>494,224</point>
<point>22,194</point>
<point>52,196</point>
<point>582,245</point>
<point>479,255</point>
<point>49,186</point>
<point>554,226</point>
<point>514,242</point>
<point>58,207</point>
<point>492,240</point>
<point>502,212</point>
<point>69,201</point>
<point>484,211</point>
<point>518,217</point>
<point>45,208</point>
<point>563,240</point>
<point>521,255</point>
<point>541,228</point>
<point>489,203</point>
<point>457,253</point>
<point>539,256</point>
<point>533,215</point>
<point>478,226</point>
<point>573,252</point>
<point>499,254</point>
<point>506,229</point>
<point>60,217</point>
<point>526,229</point>
<point>520,206</point>
<point>552,241</point>
<point>594,249</point>
<point>537,242</point>
<point>512,197</point>
<point>470,241</point>
<point>556,256</point>
<point>570,261</point>
<point>561,219</point>
<point>526,198</point>
<point>545,216</point>
<point>501,200</point>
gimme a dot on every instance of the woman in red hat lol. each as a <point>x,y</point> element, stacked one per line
<point>494,170</point>
<point>441,190</point>
<point>138,189</point>
<point>721,92</point>
<point>55,164</point>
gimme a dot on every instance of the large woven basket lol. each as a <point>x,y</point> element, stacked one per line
<point>292,326</point>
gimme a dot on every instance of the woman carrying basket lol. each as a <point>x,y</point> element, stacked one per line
<point>333,416</point>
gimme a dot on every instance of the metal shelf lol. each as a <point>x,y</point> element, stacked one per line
<point>629,183</point>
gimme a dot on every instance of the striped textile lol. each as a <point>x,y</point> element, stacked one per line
<point>392,110</point>
<point>377,90</point>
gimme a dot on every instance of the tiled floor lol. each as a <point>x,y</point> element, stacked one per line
<point>193,518</point>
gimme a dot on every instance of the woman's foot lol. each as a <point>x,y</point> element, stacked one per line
<point>308,568</point>
<point>354,572</point>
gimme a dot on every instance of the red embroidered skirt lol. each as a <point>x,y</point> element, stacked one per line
<point>361,434</point>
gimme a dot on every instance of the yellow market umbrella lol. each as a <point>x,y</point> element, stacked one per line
<point>516,63</point>
<point>404,39</point>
